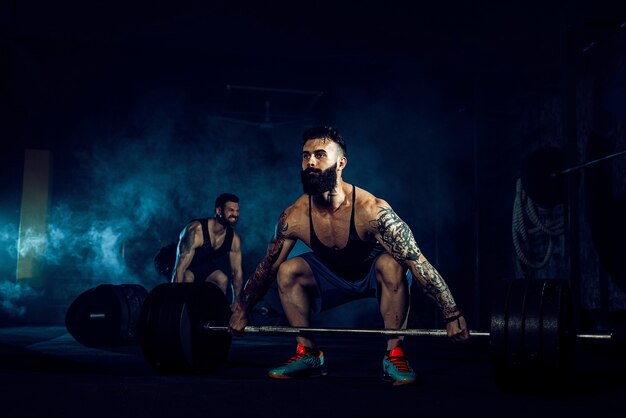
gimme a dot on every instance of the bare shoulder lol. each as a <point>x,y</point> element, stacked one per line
<point>369,205</point>
<point>295,217</point>
<point>193,227</point>
<point>192,235</point>
<point>299,206</point>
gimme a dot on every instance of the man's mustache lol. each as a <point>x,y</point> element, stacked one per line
<point>312,170</point>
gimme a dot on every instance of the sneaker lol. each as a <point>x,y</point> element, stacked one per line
<point>301,364</point>
<point>396,368</point>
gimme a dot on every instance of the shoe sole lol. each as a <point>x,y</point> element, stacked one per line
<point>388,379</point>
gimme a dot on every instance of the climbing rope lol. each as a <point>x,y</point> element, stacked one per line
<point>523,237</point>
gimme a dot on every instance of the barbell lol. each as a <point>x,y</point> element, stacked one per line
<point>106,315</point>
<point>183,329</point>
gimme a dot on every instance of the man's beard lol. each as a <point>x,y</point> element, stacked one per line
<point>227,221</point>
<point>323,181</point>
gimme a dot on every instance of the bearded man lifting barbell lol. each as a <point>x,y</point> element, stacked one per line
<point>360,246</point>
<point>203,242</point>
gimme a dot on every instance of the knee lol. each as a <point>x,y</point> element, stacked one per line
<point>188,277</point>
<point>389,272</point>
<point>289,272</point>
<point>220,279</point>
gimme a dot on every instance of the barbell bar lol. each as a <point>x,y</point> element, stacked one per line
<point>183,329</point>
<point>273,329</point>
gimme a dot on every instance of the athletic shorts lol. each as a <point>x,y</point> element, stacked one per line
<point>335,291</point>
<point>202,269</point>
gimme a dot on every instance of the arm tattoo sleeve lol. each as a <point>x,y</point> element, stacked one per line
<point>436,288</point>
<point>187,242</point>
<point>398,238</point>
<point>260,280</point>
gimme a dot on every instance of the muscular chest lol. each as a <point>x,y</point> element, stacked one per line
<point>216,240</point>
<point>332,230</point>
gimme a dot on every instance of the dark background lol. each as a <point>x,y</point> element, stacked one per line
<point>440,104</point>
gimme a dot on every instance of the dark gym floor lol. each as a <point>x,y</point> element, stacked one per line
<point>45,372</point>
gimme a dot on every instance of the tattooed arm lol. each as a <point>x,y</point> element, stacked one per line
<point>279,248</point>
<point>396,236</point>
<point>190,239</point>
<point>234,258</point>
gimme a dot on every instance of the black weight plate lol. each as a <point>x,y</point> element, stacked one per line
<point>515,327</point>
<point>106,315</point>
<point>556,322</point>
<point>498,327</point>
<point>135,295</point>
<point>206,350</point>
<point>149,331</point>
<point>531,362</point>
<point>171,328</point>
<point>94,317</point>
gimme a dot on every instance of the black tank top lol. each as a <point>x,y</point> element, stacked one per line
<point>351,262</point>
<point>206,251</point>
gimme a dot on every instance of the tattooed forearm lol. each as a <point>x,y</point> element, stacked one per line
<point>435,287</point>
<point>398,239</point>
<point>260,280</point>
<point>397,236</point>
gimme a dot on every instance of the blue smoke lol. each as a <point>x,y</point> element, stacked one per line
<point>129,195</point>
<point>15,297</point>
<point>131,188</point>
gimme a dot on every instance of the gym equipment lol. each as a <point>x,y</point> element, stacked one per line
<point>183,329</point>
<point>106,315</point>
<point>170,335</point>
<point>165,259</point>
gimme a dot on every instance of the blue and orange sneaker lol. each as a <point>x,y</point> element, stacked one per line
<point>396,368</point>
<point>301,364</point>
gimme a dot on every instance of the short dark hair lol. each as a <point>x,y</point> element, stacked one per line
<point>325,132</point>
<point>225,197</point>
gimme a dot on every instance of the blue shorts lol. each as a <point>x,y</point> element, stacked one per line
<point>334,290</point>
